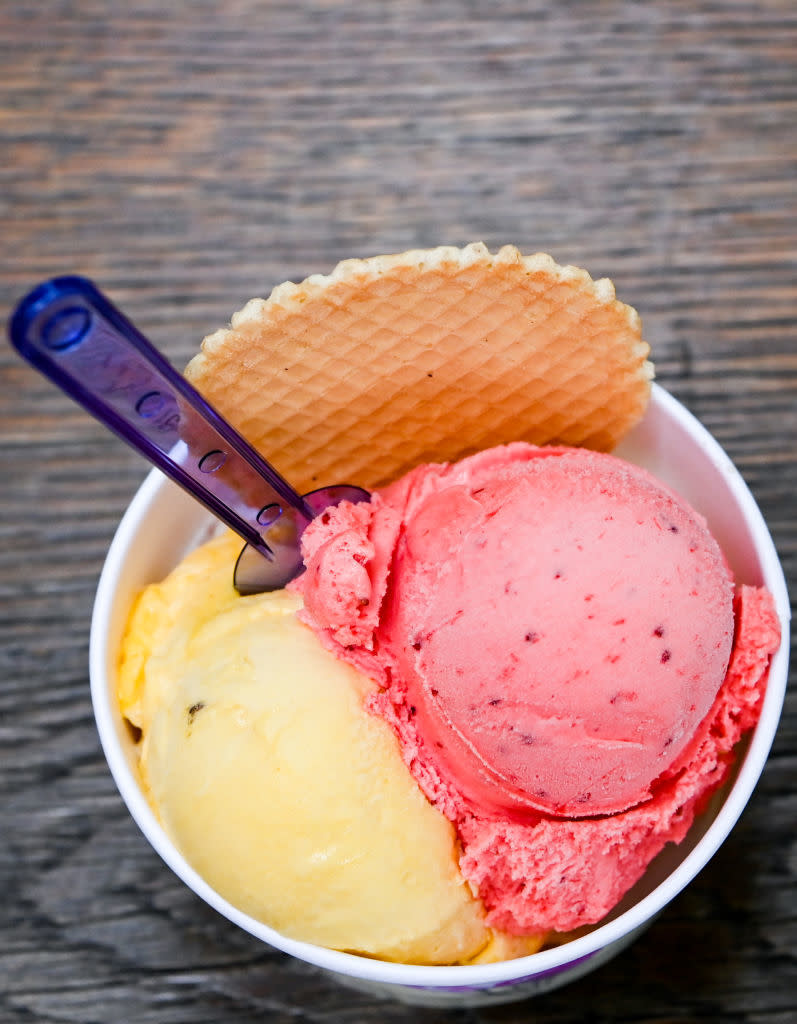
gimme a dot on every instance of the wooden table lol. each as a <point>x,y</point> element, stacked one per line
<point>190,156</point>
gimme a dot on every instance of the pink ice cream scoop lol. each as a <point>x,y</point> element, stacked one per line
<point>562,654</point>
<point>563,623</point>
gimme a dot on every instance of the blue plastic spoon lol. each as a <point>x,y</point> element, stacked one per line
<point>69,331</point>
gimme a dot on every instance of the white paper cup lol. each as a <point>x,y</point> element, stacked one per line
<point>163,523</point>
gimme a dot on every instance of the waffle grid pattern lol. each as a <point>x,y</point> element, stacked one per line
<point>426,356</point>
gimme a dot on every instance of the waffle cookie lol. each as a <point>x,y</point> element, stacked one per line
<point>428,355</point>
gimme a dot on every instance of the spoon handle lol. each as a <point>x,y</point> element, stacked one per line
<point>70,332</point>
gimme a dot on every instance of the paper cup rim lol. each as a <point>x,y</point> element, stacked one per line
<point>475,976</point>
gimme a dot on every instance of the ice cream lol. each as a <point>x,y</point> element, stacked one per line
<point>476,617</point>
<point>551,630</point>
<point>279,788</point>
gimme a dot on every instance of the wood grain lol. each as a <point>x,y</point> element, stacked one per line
<point>191,156</point>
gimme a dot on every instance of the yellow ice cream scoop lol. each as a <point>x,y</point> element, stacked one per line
<point>276,784</point>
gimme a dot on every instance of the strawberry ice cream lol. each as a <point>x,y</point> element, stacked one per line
<point>561,652</point>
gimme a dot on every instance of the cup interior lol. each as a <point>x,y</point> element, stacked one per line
<point>163,523</point>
